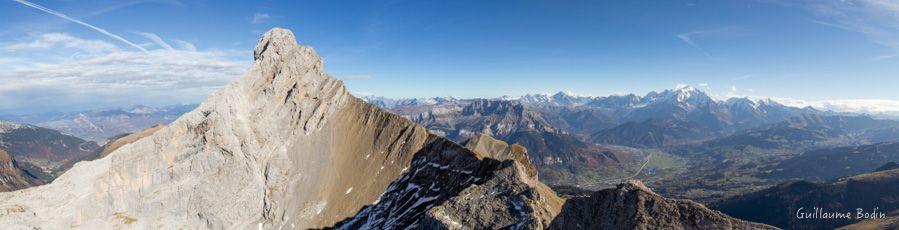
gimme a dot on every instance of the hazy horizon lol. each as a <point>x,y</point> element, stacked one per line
<point>69,56</point>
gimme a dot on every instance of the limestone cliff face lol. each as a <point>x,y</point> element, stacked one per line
<point>285,145</point>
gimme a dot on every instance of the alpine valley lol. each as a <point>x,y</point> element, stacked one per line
<point>287,146</point>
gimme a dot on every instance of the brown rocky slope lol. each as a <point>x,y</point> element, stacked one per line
<point>284,147</point>
<point>11,176</point>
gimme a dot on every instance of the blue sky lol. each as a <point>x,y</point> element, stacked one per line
<point>805,51</point>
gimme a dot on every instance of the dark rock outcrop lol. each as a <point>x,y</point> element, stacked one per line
<point>632,205</point>
<point>489,185</point>
<point>780,205</point>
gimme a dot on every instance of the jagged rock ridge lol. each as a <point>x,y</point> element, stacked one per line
<point>285,145</point>
<point>487,185</point>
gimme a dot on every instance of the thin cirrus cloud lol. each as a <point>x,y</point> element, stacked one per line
<point>156,40</point>
<point>98,29</point>
<point>868,106</point>
<point>45,76</point>
<point>60,40</point>
<point>693,38</point>
<point>260,18</point>
<point>878,20</point>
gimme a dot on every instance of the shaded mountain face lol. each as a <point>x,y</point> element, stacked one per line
<point>487,185</point>
<point>285,145</point>
<point>40,151</point>
<point>564,160</point>
<point>576,121</point>
<point>632,205</point>
<point>11,176</point>
<point>103,124</point>
<point>780,205</point>
<point>828,164</point>
<point>654,134</point>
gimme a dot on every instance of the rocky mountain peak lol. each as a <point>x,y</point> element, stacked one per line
<point>634,185</point>
<point>6,126</point>
<point>683,96</point>
<point>486,146</point>
<point>485,107</point>
<point>284,145</point>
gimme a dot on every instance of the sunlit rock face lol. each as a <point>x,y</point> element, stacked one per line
<point>283,145</point>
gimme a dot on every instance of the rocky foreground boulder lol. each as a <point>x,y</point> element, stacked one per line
<point>286,146</point>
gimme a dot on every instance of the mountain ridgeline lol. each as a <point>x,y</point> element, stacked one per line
<point>102,124</point>
<point>286,146</point>
<point>43,153</point>
<point>671,117</point>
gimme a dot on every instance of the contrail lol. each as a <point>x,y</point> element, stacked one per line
<point>107,33</point>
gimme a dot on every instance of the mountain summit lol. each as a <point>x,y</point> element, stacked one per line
<point>286,146</point>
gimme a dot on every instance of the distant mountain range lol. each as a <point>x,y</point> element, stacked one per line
<point>41,154</point>
<point>560,157</point>
<point>101,124</point>
<point>287,146</point>
<point>682,141</point>
<point>671,117</point>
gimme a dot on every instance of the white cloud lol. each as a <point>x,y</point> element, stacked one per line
<point>878,20</point>
<point>63,16</point>
<point>40,77</point>
<point>184,45</point>
<point>260,18</point>
<point>59,40</point>
<point>156,40</point>
<point>725,32</point>
<point>869,106</point>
